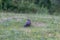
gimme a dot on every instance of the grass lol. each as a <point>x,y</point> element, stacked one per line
<point>14,29</point>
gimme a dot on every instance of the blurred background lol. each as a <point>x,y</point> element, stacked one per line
<point>30,6</point>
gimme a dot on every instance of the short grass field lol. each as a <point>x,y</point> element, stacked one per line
<point>44,27</point>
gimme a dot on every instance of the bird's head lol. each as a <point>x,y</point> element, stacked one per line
<point>28,19</point>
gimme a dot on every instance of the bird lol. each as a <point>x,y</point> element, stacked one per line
<point>28,23</point>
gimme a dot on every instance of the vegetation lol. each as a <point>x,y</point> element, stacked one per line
<point>44,15</point>
<point>27,6</point>
<point>44,27</point>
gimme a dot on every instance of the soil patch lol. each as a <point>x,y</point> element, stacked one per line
<point>38,24</point>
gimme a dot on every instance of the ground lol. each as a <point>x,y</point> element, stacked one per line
<point>44,27</point>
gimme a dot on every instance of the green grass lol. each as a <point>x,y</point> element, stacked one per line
<point>14,30</point>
